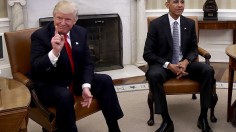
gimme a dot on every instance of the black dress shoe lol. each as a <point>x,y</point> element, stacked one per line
<point>166,127</point>
<point>203,125</point>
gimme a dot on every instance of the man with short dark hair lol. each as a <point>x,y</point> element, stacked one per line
<point>170,51</point>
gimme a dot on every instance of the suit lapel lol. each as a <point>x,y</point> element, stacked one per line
<point>72,39</point>
<point>75,39</point>
<point>183,29</point>
<point>167,32</point>
<point>76,43</point>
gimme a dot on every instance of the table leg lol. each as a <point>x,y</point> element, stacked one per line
<point>234,36</point>
<point>230,88</point>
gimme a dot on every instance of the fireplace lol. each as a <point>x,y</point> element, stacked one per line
<point>104,39</point>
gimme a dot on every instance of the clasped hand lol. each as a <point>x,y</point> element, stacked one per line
<point>179,69</point>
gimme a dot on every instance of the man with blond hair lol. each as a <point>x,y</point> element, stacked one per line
<point>62,68</point>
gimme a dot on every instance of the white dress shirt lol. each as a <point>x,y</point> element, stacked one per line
<point>171,20</point>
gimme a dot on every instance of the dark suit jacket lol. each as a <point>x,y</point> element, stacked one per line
<point>158,47</point>
<point>43,73</point>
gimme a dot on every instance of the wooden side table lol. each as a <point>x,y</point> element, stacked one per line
<point>14,102</point>
<point>231,108</point>
<point>223,23</point>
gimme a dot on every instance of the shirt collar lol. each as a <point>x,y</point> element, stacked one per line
<point>171,20</point>
<point>68,35</point>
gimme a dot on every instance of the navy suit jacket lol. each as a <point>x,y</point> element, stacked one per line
<point>44,74</point>
<point>158,47</point>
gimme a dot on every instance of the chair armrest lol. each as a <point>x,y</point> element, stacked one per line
<point>48,114</point>
<point>29,84</point>
<point>205,54</point>
<point>22,78</point>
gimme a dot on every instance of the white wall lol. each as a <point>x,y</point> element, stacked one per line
<point>35,9</point>
<point>5,70</point>
<point>192,4</point>
<point>43,8</point>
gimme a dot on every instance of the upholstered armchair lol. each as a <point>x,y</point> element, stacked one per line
<point>184,85</point>
<point>18,48</point>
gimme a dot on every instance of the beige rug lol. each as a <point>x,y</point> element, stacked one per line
<point>183,110</point>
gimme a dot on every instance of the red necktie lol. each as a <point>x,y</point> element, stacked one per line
<point>69,52</point>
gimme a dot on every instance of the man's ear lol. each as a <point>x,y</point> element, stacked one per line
<point>74,22</point>
<point>167,4</point>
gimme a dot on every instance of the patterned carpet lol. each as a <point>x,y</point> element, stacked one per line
<point>131,87</point>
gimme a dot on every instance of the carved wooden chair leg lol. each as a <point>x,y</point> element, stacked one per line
<point>150,122</point>
<point>194,96</point>
<point>233,120</point>
<point>44,130</point>
<point>214,101</point>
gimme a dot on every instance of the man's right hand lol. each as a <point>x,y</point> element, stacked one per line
<point>57,42</point>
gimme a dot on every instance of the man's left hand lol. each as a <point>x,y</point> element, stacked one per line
<point>182,66</point>
<point>87,97</point>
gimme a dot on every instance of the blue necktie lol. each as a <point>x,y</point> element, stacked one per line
<point>176,47</point>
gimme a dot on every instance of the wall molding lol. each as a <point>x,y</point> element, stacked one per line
<point>191,4</point>
<point>227,14</point>
<point>4,24</point>
<point>5,66</point>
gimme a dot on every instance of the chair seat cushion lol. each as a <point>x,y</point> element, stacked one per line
<point>182,85</point>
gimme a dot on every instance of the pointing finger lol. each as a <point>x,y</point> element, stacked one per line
<point>56,31</point>
<point>62,38</point>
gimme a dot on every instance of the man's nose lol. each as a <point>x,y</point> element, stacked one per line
<point>63,21</point>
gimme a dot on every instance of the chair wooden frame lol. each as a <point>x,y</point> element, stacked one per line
<point>18,48</point>
<point>184,85</point>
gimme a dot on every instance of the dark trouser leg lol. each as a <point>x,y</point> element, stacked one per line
<point>156,76</point>
<point>63,100</point>
<point>103,89</point>
<point>205,75</point>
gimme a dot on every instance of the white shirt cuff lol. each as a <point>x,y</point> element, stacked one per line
<point>166,64</point>
<point>86,85</point>
<point>53,58</point>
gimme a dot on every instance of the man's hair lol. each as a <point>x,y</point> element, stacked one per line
<point>66,6</point>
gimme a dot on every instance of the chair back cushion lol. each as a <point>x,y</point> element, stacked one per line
<point>18,48</point>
